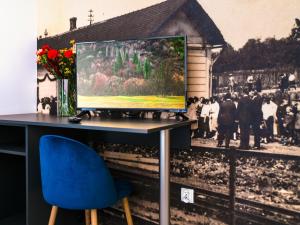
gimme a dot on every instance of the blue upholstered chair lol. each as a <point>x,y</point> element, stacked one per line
<point>75,177</point>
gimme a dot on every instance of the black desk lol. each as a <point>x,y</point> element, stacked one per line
<point>20,134</point>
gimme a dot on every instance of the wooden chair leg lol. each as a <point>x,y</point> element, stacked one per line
<point>127,211</point>
<point>94,217</point>
<point>53,215</point>
<point>87,217</point>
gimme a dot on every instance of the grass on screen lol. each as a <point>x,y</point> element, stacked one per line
<point>131,102</point>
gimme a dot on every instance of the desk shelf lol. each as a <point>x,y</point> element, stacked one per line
<point>12,149</point>
<point>12,175</point>
<point>12,189</point>
<point>12,140</point>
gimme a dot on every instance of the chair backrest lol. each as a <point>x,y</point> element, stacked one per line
<point>73,175</point>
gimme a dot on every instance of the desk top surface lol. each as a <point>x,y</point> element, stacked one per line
<point>143,126</point>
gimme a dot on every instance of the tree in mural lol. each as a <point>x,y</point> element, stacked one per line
<point>139,68</point>
<point>135,59</point>
<point>147,68</point>
<point>258,54</point>
<point>118,64</point>
<point>295,34</point>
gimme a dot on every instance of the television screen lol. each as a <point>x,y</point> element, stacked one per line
<point>146,74</point>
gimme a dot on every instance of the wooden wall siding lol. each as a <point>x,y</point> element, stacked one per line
<point>196,88</point>
<point>132,160</point>
<point>193,52</point>
<point>196,66</point>
<point>197,72</point>
<point>195,81</point>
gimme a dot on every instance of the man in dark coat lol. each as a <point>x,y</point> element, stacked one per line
<point>257,118</point>
<point>226,120</point>
<point>284,83</point>
<point>258,84</point>
<point>244,116</point>
<point>280,113</point>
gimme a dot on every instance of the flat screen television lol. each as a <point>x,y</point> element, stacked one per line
<point>145,74</point>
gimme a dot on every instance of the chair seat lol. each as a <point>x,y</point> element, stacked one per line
<point>74,176</point>
<point>123,187</point>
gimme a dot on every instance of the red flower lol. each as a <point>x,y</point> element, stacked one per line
<point>41,52</point>
<point>52,54</point>
<point>46,47</point>
<point>68,53</point>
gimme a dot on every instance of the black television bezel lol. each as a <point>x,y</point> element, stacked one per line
<point>140,109</point>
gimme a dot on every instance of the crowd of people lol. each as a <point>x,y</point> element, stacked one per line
<point>47,105</point>
<point>269,117</point>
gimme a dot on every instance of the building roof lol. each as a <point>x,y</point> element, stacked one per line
<point>141,23</point>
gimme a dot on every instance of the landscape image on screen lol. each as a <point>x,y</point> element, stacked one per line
<point>135,74</point>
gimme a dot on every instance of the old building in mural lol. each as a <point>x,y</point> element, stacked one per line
<point>249,188</point>
<point>169,18</point>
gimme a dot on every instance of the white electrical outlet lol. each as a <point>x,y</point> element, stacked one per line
<point>187,195</point>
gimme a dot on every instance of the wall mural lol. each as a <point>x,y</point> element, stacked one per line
<point>243,164</point>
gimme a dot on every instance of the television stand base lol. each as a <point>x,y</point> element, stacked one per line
<point>83,113</point>
<point>115,114</point>
<point>181,117</point>
<point>156,115</point>
<point>135,115</point>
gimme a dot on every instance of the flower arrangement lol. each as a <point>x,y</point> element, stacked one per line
<point>60,63</point>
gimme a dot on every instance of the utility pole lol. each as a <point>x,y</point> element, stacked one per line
<point>46,33</point>
<point>91,16</point>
